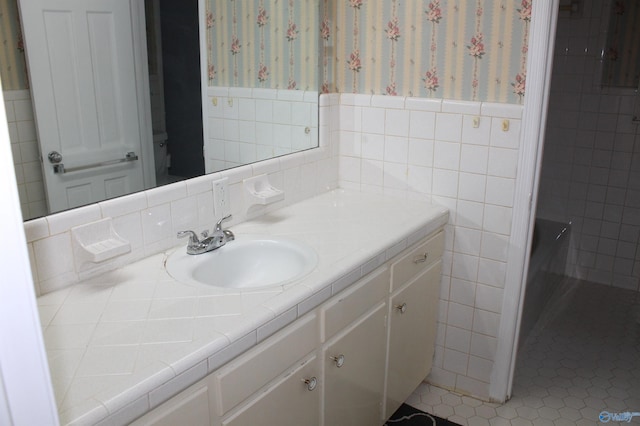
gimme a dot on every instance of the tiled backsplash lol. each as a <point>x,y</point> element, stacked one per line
<point>26,153</point>
<point>462,155</point>
<point>248,125</point>
<point>149,220</point>
<point>591,166</point>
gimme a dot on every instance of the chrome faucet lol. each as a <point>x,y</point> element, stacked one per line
<point>209,242</point>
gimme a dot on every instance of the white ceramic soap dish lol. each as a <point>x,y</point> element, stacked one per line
<point>258,190</point>
<point>97,242</point>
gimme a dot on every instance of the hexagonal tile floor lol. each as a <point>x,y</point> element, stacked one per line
<point>580,362</point>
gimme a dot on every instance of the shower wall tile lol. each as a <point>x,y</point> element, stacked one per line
<point>463,155</point>
<point>588,177</point>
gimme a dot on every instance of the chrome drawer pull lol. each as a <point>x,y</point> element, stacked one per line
<point>402,308</point>
<point>311,383</point>
<point>421,259</point>
<point>339,360</point>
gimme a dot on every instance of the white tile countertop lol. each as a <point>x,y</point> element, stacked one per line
<point>124,342</point>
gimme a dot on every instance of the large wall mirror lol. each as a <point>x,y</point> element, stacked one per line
<point>124,95</point>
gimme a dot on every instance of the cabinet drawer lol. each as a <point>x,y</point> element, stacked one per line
<point>418,259</point>
<point>354,302</point>
<point>249,372</point>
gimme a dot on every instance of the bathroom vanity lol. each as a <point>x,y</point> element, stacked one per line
<point>345,344</point>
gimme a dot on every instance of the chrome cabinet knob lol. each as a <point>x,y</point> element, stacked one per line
<point>402,308</point>
<point>339,360</point>
<point>311,383</point>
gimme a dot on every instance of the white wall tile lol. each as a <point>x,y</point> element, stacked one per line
<point>156,223</point>
<point>494,246</point>
<point>349,169</point>
<point>422,124</point>
<point>373,120</point>
<point>500,191</point>
<point>396,149</point>
<point>461,107</point>
<point>492,272</point>
<point>395,176</point>
<point>465,267</point>
<point>469,214</point>
<point>458,339</point>
<point>459,315</point>
<point>397,122</point>
<point>467,241</point>
<point>485,322</point>
<point>505,139</point>
<point>445,183</point>
<point>54,256</point>
<point>497,219</point>
<point>387,101</point>
<point>420,179</point>
<point>474,159</point>
<point>446,155</point>
<point>472,187</point>
<point>483,346</point>
<point>480,368</point>
<point>448,127</point>
<point>489,298</point>
<point>424,104</point>
<point>455,361</point>
<point>503,162</point>
<point>372,172</point>
<point>462,291</point>
<point>372,146</point>
<point>421,152</point>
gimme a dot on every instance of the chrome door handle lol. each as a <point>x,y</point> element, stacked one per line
<point>54,157</point>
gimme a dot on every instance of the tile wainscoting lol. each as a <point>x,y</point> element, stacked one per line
<point>463,155</point>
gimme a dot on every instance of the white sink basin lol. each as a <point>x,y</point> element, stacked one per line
<point>245,263</point>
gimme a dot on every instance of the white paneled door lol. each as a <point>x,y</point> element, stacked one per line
<point>82,66</point>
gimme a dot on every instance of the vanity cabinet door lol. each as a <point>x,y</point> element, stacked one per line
<point>412,333</point>
<point>293,400</point>
<point>354,363</point>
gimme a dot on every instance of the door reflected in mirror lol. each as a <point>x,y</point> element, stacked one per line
<point>169,106</point>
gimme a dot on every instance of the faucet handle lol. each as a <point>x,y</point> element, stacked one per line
<point>219,223</point>
<point>193,238</point>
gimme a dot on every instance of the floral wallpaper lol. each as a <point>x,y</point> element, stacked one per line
<point>621,60</point>
<point>13,72</point>
<point>455,49</point>
<point>263,43</point>
<point>452,49</point>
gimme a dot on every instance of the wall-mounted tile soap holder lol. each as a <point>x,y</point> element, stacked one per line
<point>259,191</point>
<point>97,242</point>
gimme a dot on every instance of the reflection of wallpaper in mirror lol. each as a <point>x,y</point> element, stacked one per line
<point>621,66</point>
<point>12,63</point>
<point>263,43</point>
